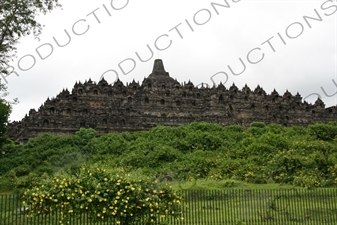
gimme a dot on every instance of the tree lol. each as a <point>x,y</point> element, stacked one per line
<point>5,109</point>
<point>17,19</point>
<point>4,114</point>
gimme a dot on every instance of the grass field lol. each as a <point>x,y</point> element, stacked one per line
<point>287,206</point>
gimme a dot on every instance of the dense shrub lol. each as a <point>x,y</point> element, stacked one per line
<point>142,157</point>
<point>233,129</point>
<point>258,124</point>
<point>114,144</point>
<point>261,153</point>
<point>325,132</point>
<point>83,136</point>
<point>284,166</point>
<point>103,195</point>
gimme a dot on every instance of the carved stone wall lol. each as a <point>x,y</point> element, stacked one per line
<point>161,100</point>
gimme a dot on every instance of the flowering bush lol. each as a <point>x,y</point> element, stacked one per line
<point>103,195</point>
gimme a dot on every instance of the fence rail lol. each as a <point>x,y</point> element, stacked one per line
<point>216,207</point>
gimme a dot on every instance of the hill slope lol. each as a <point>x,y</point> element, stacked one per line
<point>260,154</point>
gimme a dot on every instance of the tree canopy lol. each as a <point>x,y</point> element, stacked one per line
<point>5,109</point>
<point>4,114</point>
<point>17,19</point>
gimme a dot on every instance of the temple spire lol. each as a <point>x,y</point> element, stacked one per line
<point>158,67</point>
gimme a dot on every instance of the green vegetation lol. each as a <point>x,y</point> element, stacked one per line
<point>231,155</point>
<point>18,19</point>
<point>103,195</point>
<point>5,110</point>
<point>228,206</point>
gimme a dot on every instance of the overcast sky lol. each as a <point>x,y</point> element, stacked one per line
<point>202,41</point>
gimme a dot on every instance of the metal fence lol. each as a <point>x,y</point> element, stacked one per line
<point>216,207</point>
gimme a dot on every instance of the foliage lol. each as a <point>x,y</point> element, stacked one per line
<point>259,154</point>
<point>102,195</point>
<point>5,110</point>
<point>325,132</point>
<point>17,19</point>
<point>83,136</point>
<point>258,124</point>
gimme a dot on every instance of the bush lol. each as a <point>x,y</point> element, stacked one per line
<point>255,131</point>
<point>103,195</point>
<point>11,176</point>
<point>284,166</point>
<point>22,170</point>
<point>276,140</point>
<point>199,140</point>
<point>233,128</point>
<point>152,157</point>
<point>204,127</point>
<point>258,124</point>
<point>325,132</point>
<point>258,154</point>
<point>107,144</point>
<point>83,136</point>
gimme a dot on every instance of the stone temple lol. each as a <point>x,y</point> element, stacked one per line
<point>162,100</point>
